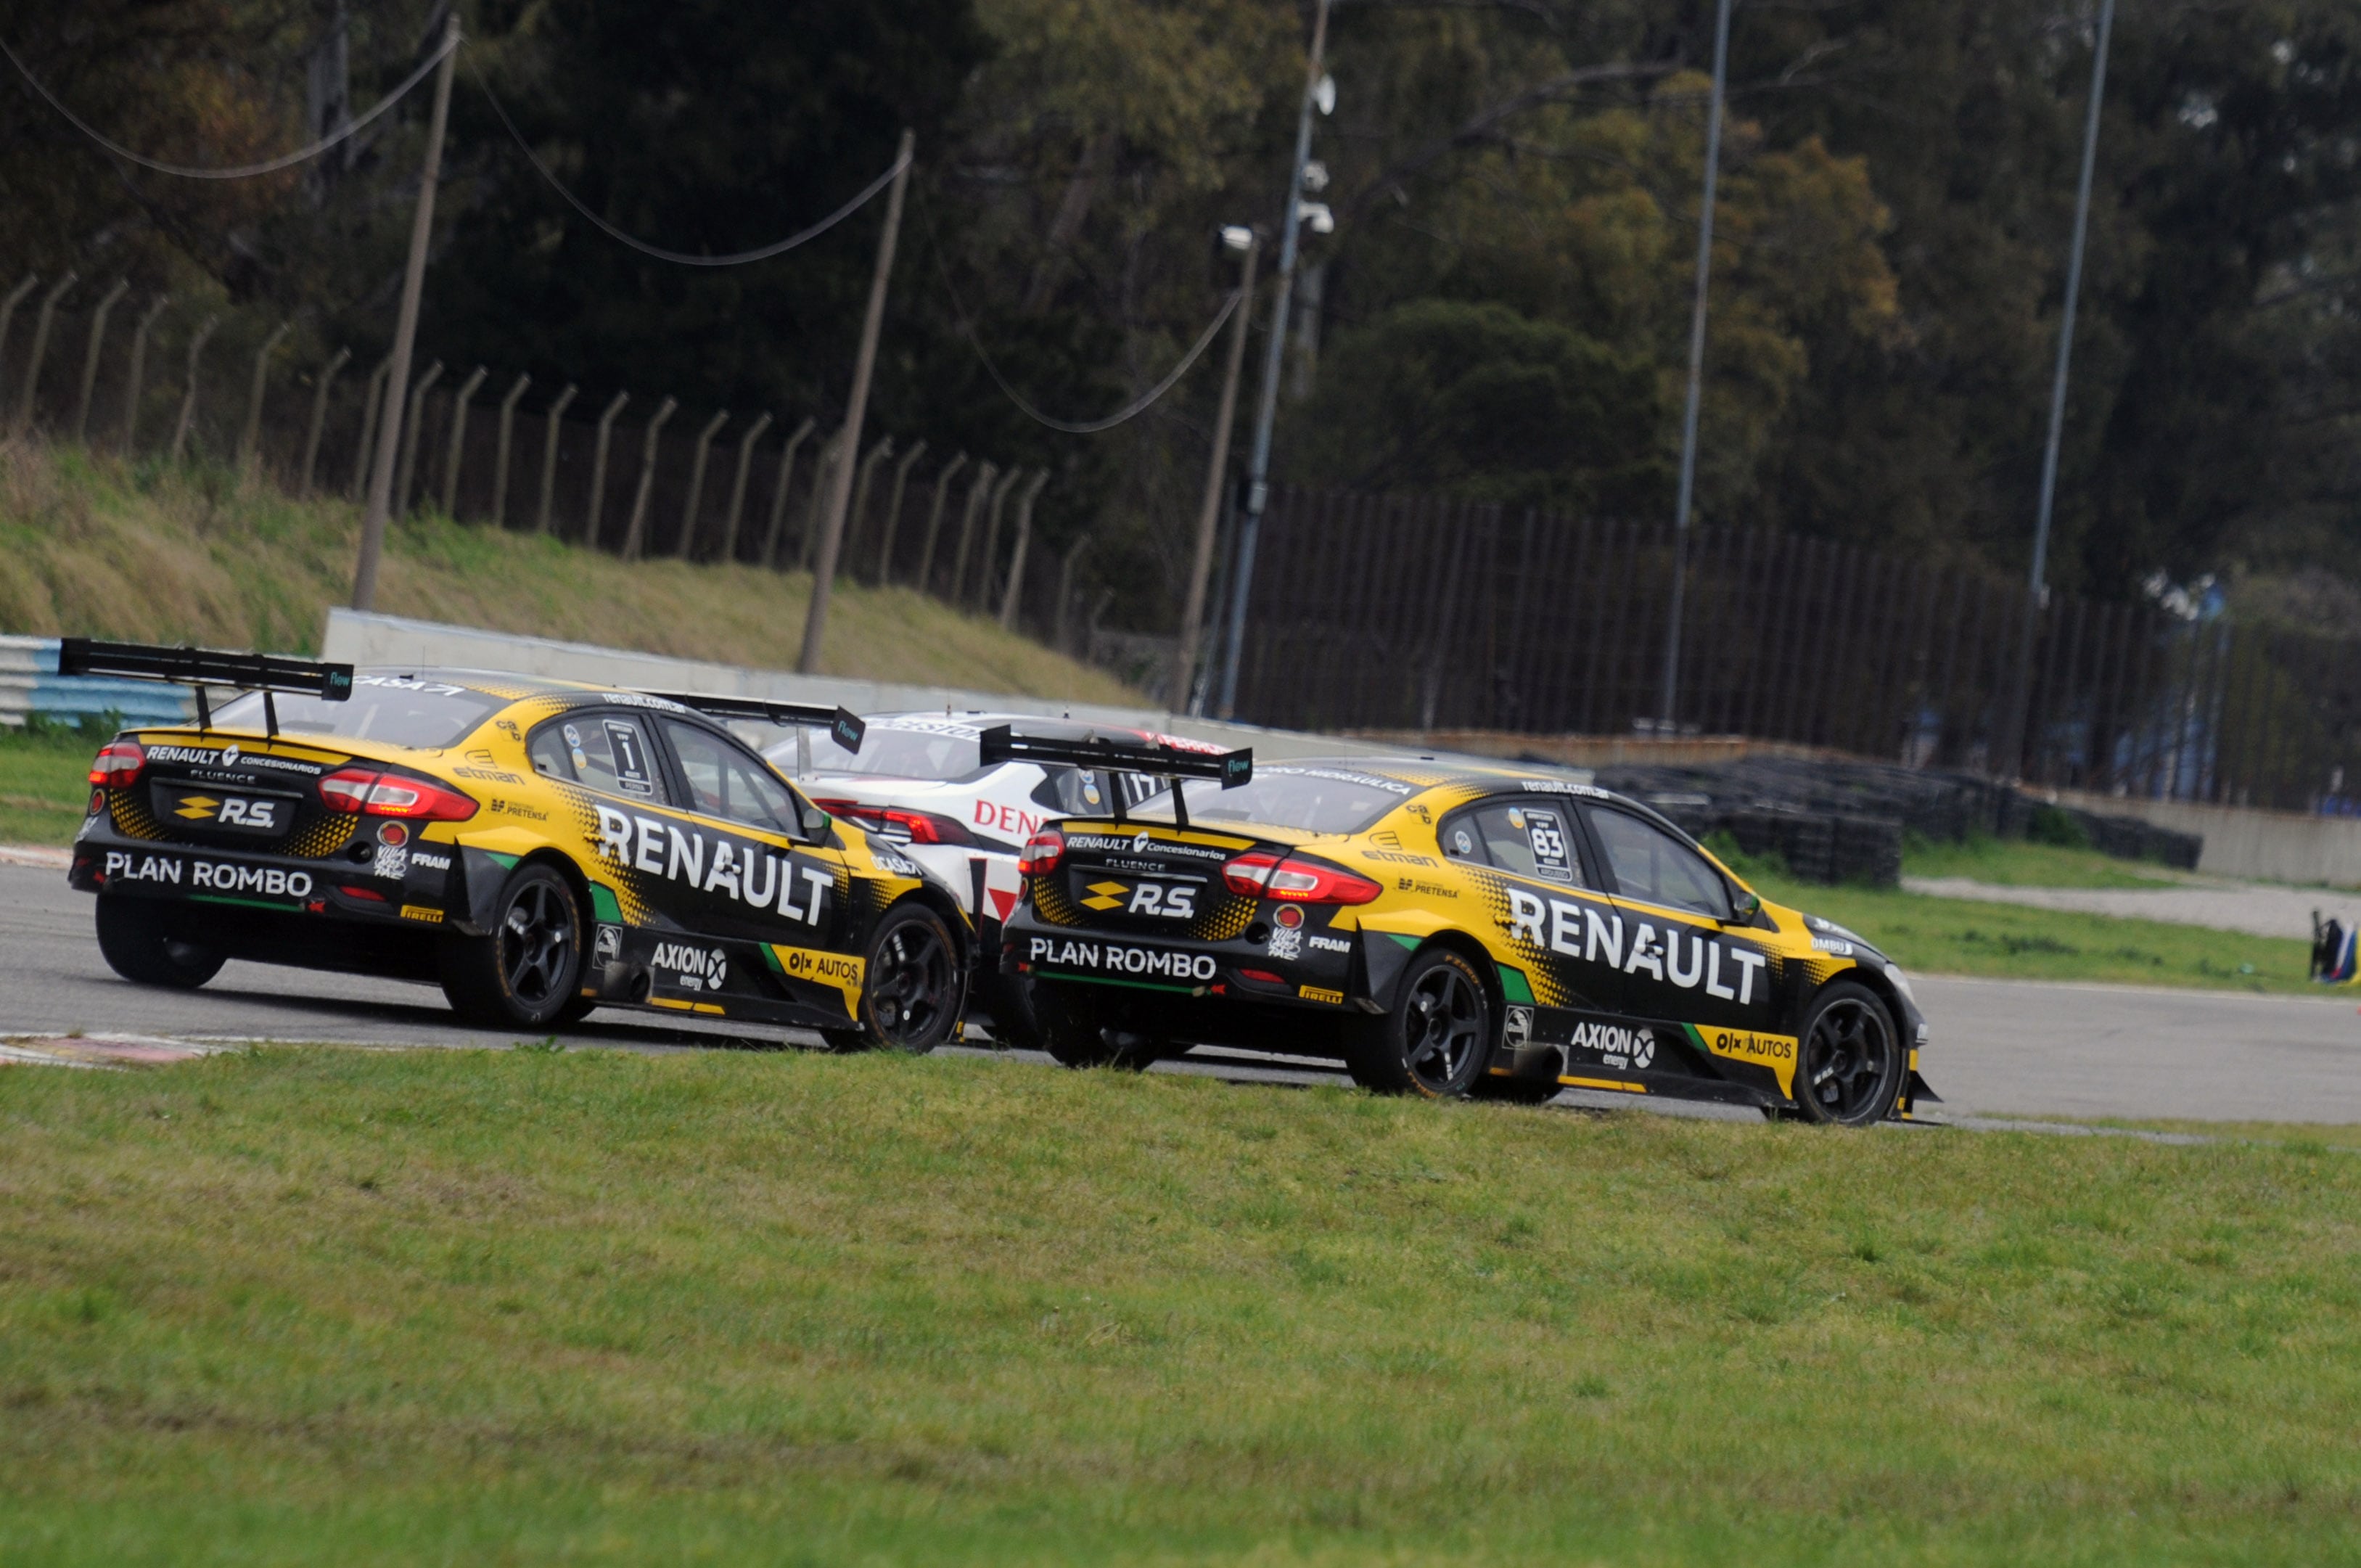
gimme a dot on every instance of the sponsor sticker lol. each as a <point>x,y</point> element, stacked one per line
<point>695,968</point>
<point>432,862</point>
<point>1615,1044</point>
<point>1424,889</point>
<point>391,860</point>
<point>1286,942</point>
<point>1121,959</point>
<point>1328,945</point>
<point>1397,856</point>
<point>420,911</point>
<point>1140,843</point>
<point>607,945</point>
<point>1517,1028</point>
<point>1316,993</point>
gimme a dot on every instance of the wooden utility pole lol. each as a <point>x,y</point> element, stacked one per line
<point>1208,515</point>
<point>405,332</point>
<point>839,473</point>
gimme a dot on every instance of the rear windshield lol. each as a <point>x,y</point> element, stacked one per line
<point>1314,799</point>
<point>941,755</point>
<point>390,710</point>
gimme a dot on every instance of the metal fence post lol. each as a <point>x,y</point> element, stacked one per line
<point>189,398</point>
<point>779,495</point>
<point>697,484</point>
<point>728,556</point>
<point>15,297</point>
<point>982,596</point>
<point>40,350</point>
<point>137,372</point>
<point>456,449</point>
<point>90,358</point>
<point>414,416</point>
<point>598,467</point>
<point>893,512</point>
<point>977,494</point>
<point>1177,703</point>
<point>555,418</point>
<point>328,373</point>
<point>1023,543</point>
<point>500,452</point>
<point>935,521</point>
<point>251,436</point>
<point>635,531</point>
<point>857,518</point>
<point>372,395</point>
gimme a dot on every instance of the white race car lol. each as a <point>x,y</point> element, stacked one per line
<point>919,782</point>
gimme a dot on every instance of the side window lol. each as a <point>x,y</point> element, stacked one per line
<point>604,751</point>
<point>724,782</point>
<point>1652,865</point>
<point>1520,838</point>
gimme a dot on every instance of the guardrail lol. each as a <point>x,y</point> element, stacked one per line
<point>29,684</point>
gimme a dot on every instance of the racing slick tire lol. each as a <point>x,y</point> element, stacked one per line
<point>1435,1041</point>
<point>1848,1058</point>
<point>133,938</point>
<point>1075,1032</point>
<point>527,970</point>
<point>912,988</point>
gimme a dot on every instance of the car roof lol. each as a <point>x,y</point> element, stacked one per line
<point>1431,772</point>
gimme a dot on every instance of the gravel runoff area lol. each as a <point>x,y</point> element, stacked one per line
<point>2258,909</point>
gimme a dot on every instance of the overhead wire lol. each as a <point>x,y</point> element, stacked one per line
<point>1073,427</point>
<point>245,171</point>
<point>678,258</point>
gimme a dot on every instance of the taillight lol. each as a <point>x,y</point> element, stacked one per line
<point>1042,853</point>
<point>900,825</point>
<point>117,763</point>
<point>1294,880</point>
<point>365,792</point>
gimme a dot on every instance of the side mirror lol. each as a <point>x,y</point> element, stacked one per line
<point>817,824</point>
<point>1745,908</point>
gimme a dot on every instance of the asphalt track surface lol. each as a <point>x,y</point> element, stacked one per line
<point>2000,1049</point>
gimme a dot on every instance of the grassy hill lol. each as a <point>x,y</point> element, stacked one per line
<point>738,1307</point>
<point>95,547</point>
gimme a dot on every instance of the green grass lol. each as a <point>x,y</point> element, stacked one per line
<point>1957,936</point>
<point>362,1308</point>
<point>93,546</point>
<point>44,781</point>
<point>2020,862</point>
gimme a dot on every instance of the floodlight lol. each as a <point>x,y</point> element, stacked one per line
<point>1319,217</point>
<point>1238,237</point>
<point>1316,175</point>
<point>1324,95</point>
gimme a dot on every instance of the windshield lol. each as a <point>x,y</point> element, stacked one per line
<point>391,709</point>
<point>1314,799</point>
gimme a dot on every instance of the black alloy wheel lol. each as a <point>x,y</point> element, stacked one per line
<point>915,983</point>
<point>526,971</point>
<point>1437,1040</point>
<point>1849,1063</point>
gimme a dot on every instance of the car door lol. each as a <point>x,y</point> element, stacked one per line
<point>1686,961</point>
<point>1558,916</point>
<point>742,820</point>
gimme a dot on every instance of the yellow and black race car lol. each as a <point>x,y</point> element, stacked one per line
<point>541,849</point>
<point>1446,930</point>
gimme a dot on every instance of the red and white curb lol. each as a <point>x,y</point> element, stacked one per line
<point>106,1050</point>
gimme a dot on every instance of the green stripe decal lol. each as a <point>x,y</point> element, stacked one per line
<point>1513,985</point>
<point>1405,941</point>
<point>1132,984</point>
<point>241,902</point>
<point>769,957</point>
<point>506,863</point>
<point>603,906</point>
<point>1694,1038</point>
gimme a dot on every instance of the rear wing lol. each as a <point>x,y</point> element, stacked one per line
<point>1001,744</point>
<point>844,727</point>
<point>197,668</point>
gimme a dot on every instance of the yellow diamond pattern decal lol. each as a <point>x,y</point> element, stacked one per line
<point>1109,895</point>
<point>196,805</point>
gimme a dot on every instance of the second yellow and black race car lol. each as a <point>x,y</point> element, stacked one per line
<point>1446,930</point>
<point>541,849</point>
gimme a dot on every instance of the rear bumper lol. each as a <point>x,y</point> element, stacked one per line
<point>420,887</point>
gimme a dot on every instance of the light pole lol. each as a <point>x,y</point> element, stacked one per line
<point>1237,237</point>
<point>2037,586</point>
<point>1321,93</point>
<point>1665,720</point>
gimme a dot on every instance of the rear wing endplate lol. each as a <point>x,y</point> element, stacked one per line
<point>201,667</point>
<point>844,727</point>
<point>1001,744</point>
